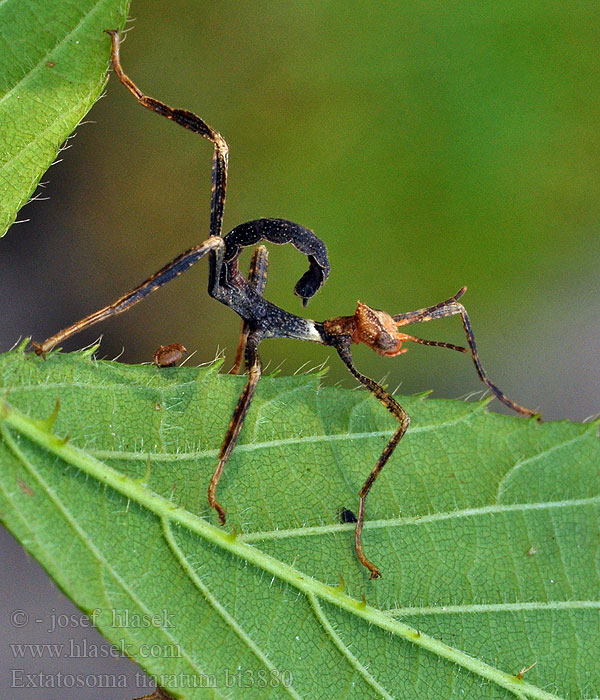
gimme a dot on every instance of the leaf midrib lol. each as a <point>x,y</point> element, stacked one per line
<point>268,444</point>
<point>218,608</point>
<point>104,564</point>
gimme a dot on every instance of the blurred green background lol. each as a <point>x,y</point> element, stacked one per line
<point>429,144</point>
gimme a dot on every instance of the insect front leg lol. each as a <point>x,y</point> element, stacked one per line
<point>212,245</point>
<point>452,307</point>
<point>404,419</point>
<point>254,370</point>
<point>192,122</point>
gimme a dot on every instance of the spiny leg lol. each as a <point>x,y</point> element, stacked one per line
<point>404,419</point>
<point>429,312</point>
<point>257,278</point>
<point>451,307</point>
<point>171,270</point>
<point>253,367</point>
<point>190,121</point>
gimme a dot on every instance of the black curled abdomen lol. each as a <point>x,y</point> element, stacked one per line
<point>280,231</point>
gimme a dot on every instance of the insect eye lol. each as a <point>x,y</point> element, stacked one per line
<point>385,342</point>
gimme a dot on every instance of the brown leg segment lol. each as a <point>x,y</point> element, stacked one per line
<point>257,277</point>
<point>190,121</point>
<point>235,424</point>
<point>404,419</point>
<point>219,184</point>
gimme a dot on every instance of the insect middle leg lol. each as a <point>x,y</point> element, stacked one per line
<point>404,419</point>
<point>254,369</point>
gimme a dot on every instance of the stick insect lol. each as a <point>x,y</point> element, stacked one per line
<point>261,319</point>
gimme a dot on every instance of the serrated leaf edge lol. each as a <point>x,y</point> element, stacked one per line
<point>311,587</point>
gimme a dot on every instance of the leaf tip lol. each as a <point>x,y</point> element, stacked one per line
<point>320,371</point>
<point>21,346</point>
<point>214,365</point>
<point>595,422</point>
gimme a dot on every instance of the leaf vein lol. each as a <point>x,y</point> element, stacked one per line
<point>417,519</point>
<point>495,607</point>
<point>502,488</point>
<point>160,506</point>
<point>343,649</point>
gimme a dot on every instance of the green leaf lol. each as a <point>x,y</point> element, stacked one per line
<point>53,60</point>
<point>485,528</point>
